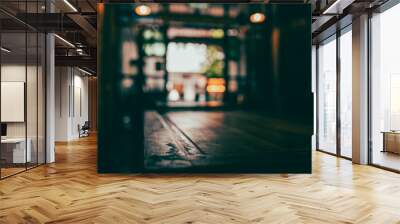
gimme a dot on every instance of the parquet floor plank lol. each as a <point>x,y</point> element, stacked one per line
<point>71,191</point>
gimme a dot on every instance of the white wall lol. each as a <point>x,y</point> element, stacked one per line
<point>14,72</point>
<point>62,82</point>
<point>80,110</point>
<point>71,102</point>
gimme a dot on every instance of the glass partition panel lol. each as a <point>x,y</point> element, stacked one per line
<point>385,89</point>
<point>31,97</point>
<point>346,93</point>
<point>22,88</point>
<point>327,96</point>
<point>14,153</point>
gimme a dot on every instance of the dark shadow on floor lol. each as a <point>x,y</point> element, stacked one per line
<point>228,141</point>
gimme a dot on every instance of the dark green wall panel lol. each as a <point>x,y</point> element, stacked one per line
<point>278,86</point>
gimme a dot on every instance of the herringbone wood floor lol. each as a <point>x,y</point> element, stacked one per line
<point>70,191</point>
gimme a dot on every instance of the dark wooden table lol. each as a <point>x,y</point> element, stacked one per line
<point>391,141</point>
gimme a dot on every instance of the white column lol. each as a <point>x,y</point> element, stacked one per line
<point>50,92</point>
<point>360,90</point>
<point>50,100</point>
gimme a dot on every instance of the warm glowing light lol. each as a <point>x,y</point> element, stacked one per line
<point>215,88</point>
<point>100,8</point>
<point>216,85</point>
<point>195,32</point>
<point>217,33</point>
<point>257,17</point>
<point>142,10</point>
<point>216,81</point>
<point>214,103</point>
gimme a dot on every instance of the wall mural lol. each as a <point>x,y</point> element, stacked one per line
<point>200,87</point>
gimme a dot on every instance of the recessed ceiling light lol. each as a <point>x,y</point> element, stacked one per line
<point>142,10</point>
<point>257,17</point>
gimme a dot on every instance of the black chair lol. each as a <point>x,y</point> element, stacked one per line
<point>84,130</point>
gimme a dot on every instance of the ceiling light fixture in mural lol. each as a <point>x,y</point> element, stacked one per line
<point>142,10</point>
<point>257,17</point>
